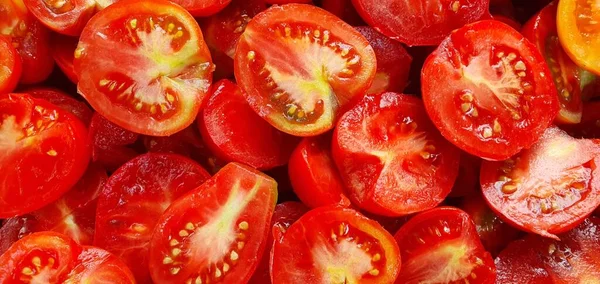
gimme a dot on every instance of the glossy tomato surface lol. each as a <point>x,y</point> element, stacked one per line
<point>168,72</point>
<point>65,17</point>
<point>63,101</point>
<point>111,145</point>
<point>203,8</point>
<point>44,152</point>
<point>10,65</point>
<point>299,66</point>
<point>148,184</point>
<point>547,189</point>
<point>488,90</point>
<point>392,160</point>
<point>577,24</point>
<point>216,232</point>
<point>63,52</point>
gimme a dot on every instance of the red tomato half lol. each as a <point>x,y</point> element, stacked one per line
<point>203,8</point>
<point>537,260</point>
<point>65,16</point>
<point>547,189</point>
<point>148,72</point>
<point>314,177</point>
<point>487,89</point>
<point>335,245</point>
<point>420,22</point>
<point>97,266</point>
<point>148,184</point>
<point>63,101</point>
<point>441,246</point>
<point>63,50</point>
<point>111,143</point>
<point>393,62</point>
<point>10,65</point>
<point>234,132</point>
<point>43,153</point>
<point>29,37</point>
<point>217,232</point>
<point>299,66</point>
<point>391,158</point>
<point>589,127</point>
<point>541,30</point>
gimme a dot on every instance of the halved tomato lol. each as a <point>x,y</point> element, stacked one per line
<point>393,62</point>
<point>29,37</point>
<point>65,16</point>
<point>63,52</point>
<point>487,89</point>
<point>344,10</point>
<point>573,259</point>
<point>111,144</point>
<point>217,232</point>
<point>420,22</point>
<point>148,184</point>
<point>43,153</point>
<point>391,158</point>
<point>97,266</point>
<point>63,101</point>
<point>299,66</point>
<point>10,65</point>
<point>235,133</point>
<point>314,177</point>
<point>203,8</point>
<point>147,72</point>
<point>589,127</point>
<point>72,215</point>
<point>441,246</point>
<point>335,245</point>
<point>541,30</point>
<point>577,24</point>
<point>548,189</point>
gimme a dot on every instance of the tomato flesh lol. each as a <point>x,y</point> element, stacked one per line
<point>63,101</point>
<point>10,65</point>
<point>65,17</point>
<point>547,189</point>
<point>299,65</point>
<point>577,25</point>
<point>203,8</point>
<point>169,70</point>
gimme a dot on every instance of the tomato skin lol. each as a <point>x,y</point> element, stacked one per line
<point>203,8</point>
<point>110,143</point>
<point>244,136</point>
<point>313,174</point>
<point>449,84</point>
<point>55,150</point>
<point>10,65</point>
<point>547,189</point>
<point>150,183</point>
<point>97,266</point>
<point>344,10</point>
<point>297,256</point>
<point>424,252</point>
<point>385,145</point>
<point>63,50</point>
<point>63,101</point>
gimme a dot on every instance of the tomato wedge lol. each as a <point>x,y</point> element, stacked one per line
<point>63,101</point>
<point>63,50</point>
<point>420,22</point>
<point>441,246</point>
<point>243,136</point>
<point>65,16</point>
<point>335,245</point>
<point>577,25</point>
<point>148,184</point>
<point>488,90</point>
<point>10,65</point>
<point>168,72</point>
<point>216,232</point>
<point>390,156</point>
<point>548,189</point>
<point>299,66</point>
<point>43,153</point>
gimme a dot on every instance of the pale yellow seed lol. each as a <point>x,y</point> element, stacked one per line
<point>139,106</point>
<point>487,132</point>
<point>251,55</point>
<point>218,273</point>
<point>374,272</point>
<point>509,188</point>
<point>292,109</point>
<point>467,97</point>
<point>347,71</point>
<point>189,226</point>
<point>178,34</point>
<point>243,225</point>
<point>500,54</point>
<point>170,98</point>
<point>78,52</point>
<point>170,27</point>
<point>240,245</point>
<point>325,37</point>
<point>103,82</point>
<point>288,31</point>
<point>234,255</point>
<point>183,233</point>
<point>176,252</point>
<point>133,23</point>
<point>36,261</point>
<point>497,126</point>
<point>163,108</point>
<point>317,33</point>
<point>167,260</point>
<point>354,60</point>
<point>522,74</point>
<point>198,280</point>
<point>455,6</point>
<point>345,51</point>
<point>551,248</point>
<point>174,242</point>
<point>376,257</point>
<point>425,155</point>
<point>225,267</point>
<point>465,107</point>
<point>27,271</point>
<point>175,270</point>
<point>152,109</point>
<point>520,65</point>
<point>511,56</point>
<point>52,153</point>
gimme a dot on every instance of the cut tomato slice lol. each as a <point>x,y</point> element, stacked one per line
<point>299,66</point>
<point>63,52</point>
<point>421,22</point>
<point>217,232</point>
<point>441,246</point>
<point>10,65</point>
<point>63,101</point>
<point>243,136</point>
<point>148,183</point>
<point>203,8</point>
<point>577,25</point>
<point>488,90</point>
<point>96,266</point>
<point>390,156</point>
<point>547,189</point>
<point>168,72</point>
<point>43,153</point>
<point>335,245</point>
<point>65,16</point>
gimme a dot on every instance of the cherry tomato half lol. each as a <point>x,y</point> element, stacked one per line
<point>10,65</point>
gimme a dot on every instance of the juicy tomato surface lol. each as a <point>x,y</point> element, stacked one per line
<point>577,25</point>
<point>216,232</point>
<point>441,245</point>
<point>29,37</point>
<point>203,8</point>
<point>97,266</point>
<point>168,72</point>
<point>420,22</point>
<point>243,136</point>
<point>111,145</point>
<point>299,66</point>
<point>488,90</point>
<point>44,152</point>
<point>63,52</point>
<point>63,101</point>
<point>148,184</point>
<point>10,65</point>
<point>335,245</point>
<point>65,17</point>
<point>390,156</point>
<point>547,189</point>
<point>313,174</point>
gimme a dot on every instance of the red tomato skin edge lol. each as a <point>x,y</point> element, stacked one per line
<point>11,82</point>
